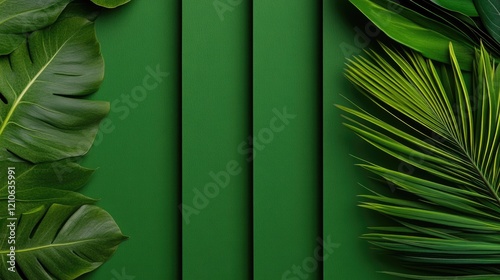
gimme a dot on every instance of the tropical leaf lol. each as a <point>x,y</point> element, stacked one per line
<point>489,11</point>
<point>474,277</point>
<point>470,27</point>
<point>26,186</point>
<point>414,30</point>
<point>49,61</point>
<point>428,26</point>
<point>44,117</point>
<point>81,8</point>
<point>32,197</point>
<point>63,175</point>
<point>465,7</point>
<point>447,212</point>
<point>110,3</point>
<point>59,242</point>
<point>22,16</point>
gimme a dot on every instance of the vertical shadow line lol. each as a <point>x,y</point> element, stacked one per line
<point>180,255</point>
<point>319,40</point>
<point>251,124</point>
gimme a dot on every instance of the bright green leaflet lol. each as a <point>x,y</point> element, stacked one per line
<point>446,210</point>
<point>60,242</point>
<point>42,82</point>
<point>465,7</point>
<point>21,16</point>
<point>489,11</point>
<point>110,3</point>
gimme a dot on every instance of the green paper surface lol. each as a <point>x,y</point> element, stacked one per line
<point>287,126</point>
<point>216,110</point>
<point>347,33</point>
<point>182,137</point>
<point>137,149</point>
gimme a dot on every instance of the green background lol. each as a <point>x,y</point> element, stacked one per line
<point>232,65</point>
<point>216,105</point>
<point>287,171</point>
<point>138,176</point>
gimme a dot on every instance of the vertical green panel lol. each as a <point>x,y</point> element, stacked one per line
<point>216,110</point>
<point>345,33</point>
<point>287,117</point>
<point>136,151</point>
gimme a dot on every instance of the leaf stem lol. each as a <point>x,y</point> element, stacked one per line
<point>481,175</point>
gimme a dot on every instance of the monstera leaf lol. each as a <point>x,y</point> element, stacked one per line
<point>21,16</point>
<point>50,61</point>
<point>43,117</point>
<point>42,184</point>
<point>63,175</point>
<point>59,242</point>
<point>81,8</point>
<point>29,198</point>
<point>110,3</point>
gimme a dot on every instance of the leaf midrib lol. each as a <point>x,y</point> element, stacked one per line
<point>476,168</point>
<point>484,179</point>
<point>51,246</point>
<point>28,86</point>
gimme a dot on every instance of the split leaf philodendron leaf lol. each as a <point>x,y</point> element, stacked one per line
<point>59,242</point>
<point>28,198</point>
<point>81,8</point>
<point>446,212</point>
<point>43,116</point>
<point>62,175</point>
<point>22,16</point>
<point>35,185</point>
<point>110,3</point>
<point>489,11</point>
<point>50,60</point>
<point>425,35</point>
<point>465,7</point>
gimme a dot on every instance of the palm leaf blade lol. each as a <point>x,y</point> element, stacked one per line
<point>452,214</point>
<point>465,7</point>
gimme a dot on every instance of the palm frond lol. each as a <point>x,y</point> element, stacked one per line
<point>449,129</point>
